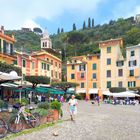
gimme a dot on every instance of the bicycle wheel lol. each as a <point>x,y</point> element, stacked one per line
<point>15,125</point>
<point>3,128</point>
<point>34,120</point>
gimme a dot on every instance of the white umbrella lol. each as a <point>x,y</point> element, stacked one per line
<point>125,94</point>
<point>107,93</point>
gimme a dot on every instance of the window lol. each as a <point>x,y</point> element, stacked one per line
<point>48,67</point>
<point>52,73</point>
<point>108,73</point>
<point>119,63</point>
<point>33,65</point>
<point>82,85</point>
<point>72,76</point>
<point>120,72</point>
<point>131,84</point>
<point>56,74</point>
<point>81,67</point>
<point>47,59</point>
<point>120,84</point>
<point>44,66</point>
<point>108,84</point>
<point>131,73</point>
<point>132,63</point>
<point>94,66</point>
<point>73,67</point>
<point>108,61</point>
<point>52,62</point>
<point>56,64</point>
<point>43,44</point>
<point>59,75</point>
<point>94,75</point>
<point>94,85</point>
<point>82,75</point>
<point>59,65</point>
<point>132,53</point>
<point>15,62</point>
<point>23,63</point>
<point>108,49</point>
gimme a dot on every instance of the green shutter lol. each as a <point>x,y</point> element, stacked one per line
<point>94,66</point>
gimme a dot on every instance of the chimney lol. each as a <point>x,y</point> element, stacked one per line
<point>2,29</point>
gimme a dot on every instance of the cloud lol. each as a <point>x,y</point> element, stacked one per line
<point>16,13</point>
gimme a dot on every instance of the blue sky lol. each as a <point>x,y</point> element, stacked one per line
<point>52,14</point>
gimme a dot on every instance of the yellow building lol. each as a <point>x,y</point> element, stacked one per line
<point>6,47</point>
<point>112,64</point>
<point>133,65</point>
<point>84,70</point>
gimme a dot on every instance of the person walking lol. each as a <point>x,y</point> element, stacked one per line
<point>73,107</point>
<point>98,100</point>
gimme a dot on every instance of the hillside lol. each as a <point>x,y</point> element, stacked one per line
<point>83,41</point>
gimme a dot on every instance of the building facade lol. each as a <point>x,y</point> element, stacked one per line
<point>112,64</point>
<point>6,47</point>
<point>133,66</point>
<point>84,70</point>
<point>41,63</point>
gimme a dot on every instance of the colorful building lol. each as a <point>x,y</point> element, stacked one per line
<point>6,47</point>
<point>112,64</point>
<point>133,66</point>
<point>84,70</point>
<point>41,63</point>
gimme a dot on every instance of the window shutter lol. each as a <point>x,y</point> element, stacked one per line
<point>129,63</point>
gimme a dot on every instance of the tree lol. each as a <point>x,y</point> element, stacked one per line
<point>62,30</point>
<point>64,85</point>
<point>37,30</point>
<point>89,22</point>
<point>84,25</point>
<point>92,22</point>
<point>58,31</point>
<point>35,80</point>
<point>74,27</point>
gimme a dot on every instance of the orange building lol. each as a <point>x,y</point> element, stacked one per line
<point>84,70</point>
<point>6,47</point>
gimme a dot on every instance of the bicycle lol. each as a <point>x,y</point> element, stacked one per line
<point>15,123</point>
<point>3,128</point>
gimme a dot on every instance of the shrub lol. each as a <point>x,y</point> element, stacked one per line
<point>40,111</point>
<point>77,96</point>
<point>56,105</point>
<point>44,105</point>
<point>24,101</point>
<point>1,103</point>
<point>117,89</point>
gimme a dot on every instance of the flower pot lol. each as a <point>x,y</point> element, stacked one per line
<point>56,115</point>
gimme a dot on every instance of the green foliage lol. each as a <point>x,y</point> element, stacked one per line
<point>74,27</point>
<point>117,89</point>
<point>56,105</point>
<point>8,68</point>
<point>64,85</point>
<point>24,101</point>
<point>40,111</point>
<point>37,30</point>
<point>44,105</point>
<point>35,80</point>
<point>78,96</point>
<point>1,103</point>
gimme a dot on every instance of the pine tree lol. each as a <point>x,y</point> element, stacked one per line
<point>62,30</point>
<point>89,22</point>
<point>74,27</point>
<point>92,22</point>
<point>84,25</point>
<point>58,31</point>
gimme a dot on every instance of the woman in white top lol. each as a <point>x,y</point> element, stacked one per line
<point>73,107</point>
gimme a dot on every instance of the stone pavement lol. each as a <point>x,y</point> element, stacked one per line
<point>106,122</point>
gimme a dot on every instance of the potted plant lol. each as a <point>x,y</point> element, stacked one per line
<point>56,106</point>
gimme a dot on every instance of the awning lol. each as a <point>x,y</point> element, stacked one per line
<point>70,91</point>
<point>126,94</point>
<point>80,91</point>
<point>107,93</point>
<point>9,76</point>
<point>93,91</point>
<point>11,85</point>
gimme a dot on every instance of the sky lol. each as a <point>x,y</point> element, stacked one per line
<point>51,14</point>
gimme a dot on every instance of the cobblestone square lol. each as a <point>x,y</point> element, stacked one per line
<point>104,122</point>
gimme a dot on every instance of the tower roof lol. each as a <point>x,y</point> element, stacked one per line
<point>45,34</point>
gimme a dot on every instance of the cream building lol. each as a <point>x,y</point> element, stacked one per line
<point>112,64</point>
